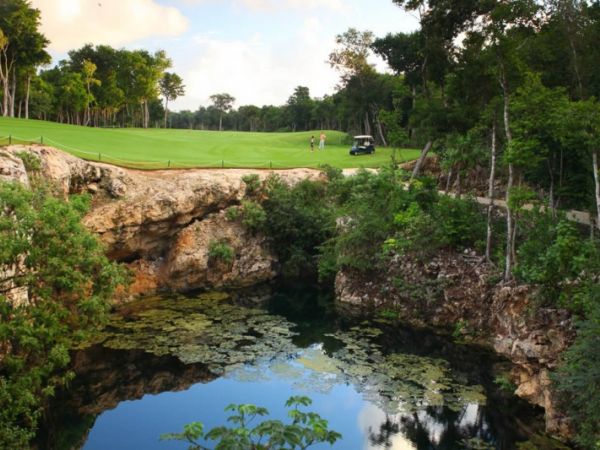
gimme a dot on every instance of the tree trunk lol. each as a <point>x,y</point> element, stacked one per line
<point>221,123</point>
<point>13,93</point>
<point>166,110</point>
<point>448,181</point>
<point>367,124</point>
<point>509,184</point>
<point>27,96</point>
<point>421,159</point>
<point>380,130</point>
<point>597,185</point>
<point>490,211</point>
<point>146,114</point>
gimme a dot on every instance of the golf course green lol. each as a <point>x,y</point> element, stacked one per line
<point>160,148</point>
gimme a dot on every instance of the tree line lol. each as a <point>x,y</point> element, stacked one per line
<point>95,86</point>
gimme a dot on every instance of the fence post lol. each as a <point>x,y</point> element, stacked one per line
<point>169,164</point>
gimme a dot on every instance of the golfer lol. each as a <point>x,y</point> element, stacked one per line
<point>322,141</point>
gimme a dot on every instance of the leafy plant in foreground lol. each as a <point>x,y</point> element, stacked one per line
<point>306,429</point>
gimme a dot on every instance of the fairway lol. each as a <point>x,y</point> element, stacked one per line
<point>160,148</point>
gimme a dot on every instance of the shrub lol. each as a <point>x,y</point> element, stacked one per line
<point>577,379</point>
<point>445,223</point>
<point>557,258</point>
<point>368,203</point>
<point>253,216</point>
<point>252,182</point>
<point>232,213</point>
<point>299,219</point>
<point>31,161</point>
<point>69,281</point>
<point>220,251</point>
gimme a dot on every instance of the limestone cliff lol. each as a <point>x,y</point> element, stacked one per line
<point>457,291</point>
<point>161,223</point>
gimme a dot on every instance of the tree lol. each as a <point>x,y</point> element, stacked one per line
<point>584,126</point>
<point>223,103</point>
<point>88,70</point>
<point>24,47</point>
<point>299,107</point>
<point>171,86</point>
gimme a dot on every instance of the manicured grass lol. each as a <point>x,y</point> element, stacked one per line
<point>159,148</point>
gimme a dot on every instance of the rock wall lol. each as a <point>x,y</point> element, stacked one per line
<point>457,291</point>
<point>161,223</point>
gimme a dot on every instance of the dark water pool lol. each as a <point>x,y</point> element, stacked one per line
<point>165,362</point>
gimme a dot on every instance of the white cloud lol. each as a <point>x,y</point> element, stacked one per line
<point>273,5</point>
<point>278,5</point>
<point>69,24</point>
<point>257,72</point>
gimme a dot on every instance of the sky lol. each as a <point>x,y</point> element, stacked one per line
<point>256,50</point>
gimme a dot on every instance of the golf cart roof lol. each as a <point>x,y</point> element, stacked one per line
<point>363,136</point>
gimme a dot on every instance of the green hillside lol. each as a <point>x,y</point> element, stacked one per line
<point>159,148</point>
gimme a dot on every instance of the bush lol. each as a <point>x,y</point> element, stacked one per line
<point>446,223</point>
<point>31,162</point>
<point>232,213</point>
<point>70,282</point>
<point>557,258</point>
<point>299,219</point>
<point>253,215</point>
<point>220,251</point>
<point>367,203</point>
<point>252,182</point>
<point>577,379</point>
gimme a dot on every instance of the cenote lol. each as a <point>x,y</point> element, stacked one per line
<point>167,361</point>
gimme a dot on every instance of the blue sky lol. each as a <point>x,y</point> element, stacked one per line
<point>256,50</point>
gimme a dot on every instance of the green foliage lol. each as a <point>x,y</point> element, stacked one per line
<point>556,257</point>
<point>220,251</point>
<point>367,203</point>
<point>233,213</point>
<point>447,223</point>
<point>305,430</point>
<point>299,220</point>
<point>68,280</point>
<point>577,378</point>
<point>252,183</point>
<point>504,382</point>
<point>31,162</point>
<point>254,216</point>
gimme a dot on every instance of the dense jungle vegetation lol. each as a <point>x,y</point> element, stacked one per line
<point>365,222</point>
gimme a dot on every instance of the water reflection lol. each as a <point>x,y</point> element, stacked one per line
<point>380,386</point>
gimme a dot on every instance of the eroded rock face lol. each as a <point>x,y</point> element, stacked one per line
<point>161,222</point>
<point>451,288</point>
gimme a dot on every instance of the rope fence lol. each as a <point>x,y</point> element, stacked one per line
<point>154,164</point>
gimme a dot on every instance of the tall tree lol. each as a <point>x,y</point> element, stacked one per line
<point>25,47</point>
<point>299,107</point>
<point>171,86</point>
<point>223,103</point>
<point>88,71</point>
